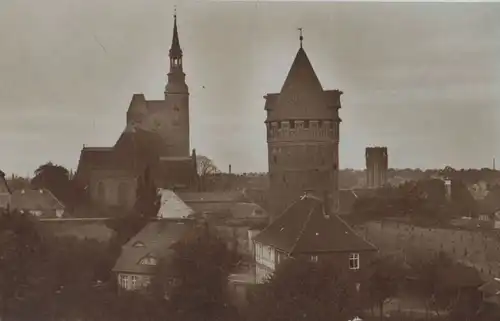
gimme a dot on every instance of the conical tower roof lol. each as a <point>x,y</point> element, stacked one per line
<point>302,96</point>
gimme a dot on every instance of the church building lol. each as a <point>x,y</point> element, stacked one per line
<point>302,137</point>
<point>156,135</point>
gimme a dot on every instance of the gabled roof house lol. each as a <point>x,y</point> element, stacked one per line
<point>307,228</point>
<point>141,254</point>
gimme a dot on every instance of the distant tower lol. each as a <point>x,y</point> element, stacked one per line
<point>177,99</point>
<point>376,166</point>
<point>302,137</point>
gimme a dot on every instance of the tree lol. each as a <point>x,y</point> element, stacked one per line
<point>206,168</point>
<point>194,279</point>
<point>148,200</point>
<point>303,290</point>
<point>59,181</point>
<point>146,207</point>
<point>20,246</point>
<point>385,276</point>
<point>442,282</point>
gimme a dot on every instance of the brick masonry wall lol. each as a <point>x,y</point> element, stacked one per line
<point>478,249</point>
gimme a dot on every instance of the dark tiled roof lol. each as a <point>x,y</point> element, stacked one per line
<point>141,143</point>
<point>302,96</point>
<point>303,228</point>
<point>42,200</point>
<point>134,150</point>
<point>157,239</point>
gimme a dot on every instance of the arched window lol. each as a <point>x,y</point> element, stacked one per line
<point>122,194</point>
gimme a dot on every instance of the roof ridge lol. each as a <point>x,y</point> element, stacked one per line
<point>306,222</point>
<point>279,216</point>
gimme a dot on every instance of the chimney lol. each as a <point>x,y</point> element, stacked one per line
<point>229,168</point>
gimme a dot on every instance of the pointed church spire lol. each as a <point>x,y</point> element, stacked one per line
<point>175,48</point>
<point>176,78</point>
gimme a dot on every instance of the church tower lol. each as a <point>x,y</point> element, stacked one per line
<point>302,137</point>
<point>177,99</point>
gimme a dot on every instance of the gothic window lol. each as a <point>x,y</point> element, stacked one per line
<point>101,191</point>
<point>122,194</point>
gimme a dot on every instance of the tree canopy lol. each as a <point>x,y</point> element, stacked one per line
<point>194,279</point>
<point>300,289</point>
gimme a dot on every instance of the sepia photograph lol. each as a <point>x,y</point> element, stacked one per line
<point>220,160</point>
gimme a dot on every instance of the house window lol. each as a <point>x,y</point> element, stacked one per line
<point>134,281</point>
<point>354,261</point>
<point>314,258</point>
<point>306,124</point>
<point>147,280</point>
<point>124,281</point>
<point>292,124</point>
<point>358,287</point>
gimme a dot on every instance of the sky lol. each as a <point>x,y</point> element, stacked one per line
<point>422,79</point>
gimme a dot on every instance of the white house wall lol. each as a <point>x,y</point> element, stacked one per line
<point>265,259</point>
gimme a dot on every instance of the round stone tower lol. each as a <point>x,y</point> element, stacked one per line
<point>302,137</point>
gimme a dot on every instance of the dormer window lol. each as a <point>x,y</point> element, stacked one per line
<point>149,260</point>
<point>138,244</point>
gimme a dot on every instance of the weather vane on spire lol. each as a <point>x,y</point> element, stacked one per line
<point>175,11</point>
<point>301,37</point>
